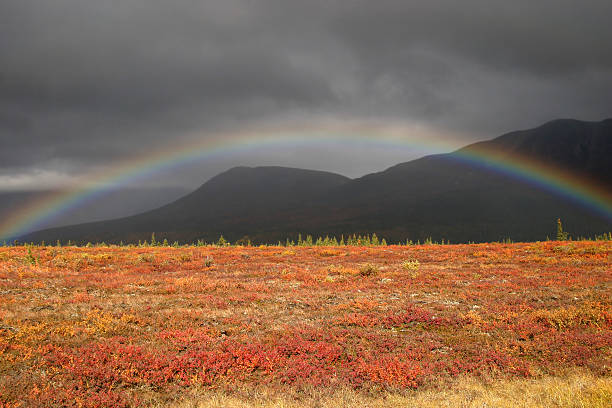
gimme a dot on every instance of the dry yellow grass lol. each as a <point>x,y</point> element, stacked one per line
<point>579,390</point>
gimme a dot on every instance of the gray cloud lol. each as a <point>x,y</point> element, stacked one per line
<point>91,83</point>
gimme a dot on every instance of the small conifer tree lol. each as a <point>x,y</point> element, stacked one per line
<point>561,235</point>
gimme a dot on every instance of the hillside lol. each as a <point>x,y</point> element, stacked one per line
<point>114,204</point>
<point>440,196</point>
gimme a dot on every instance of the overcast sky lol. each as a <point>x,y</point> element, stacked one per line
<point>86,85</point>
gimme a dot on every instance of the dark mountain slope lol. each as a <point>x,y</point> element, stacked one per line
<point>253,191</point>
<point>442,196</point>
<point>583,147</point>
<point>231,203</point>
<point>117,203</point>
<point>445,196</point>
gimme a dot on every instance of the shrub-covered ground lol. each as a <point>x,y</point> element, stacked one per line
<point>296,326</point>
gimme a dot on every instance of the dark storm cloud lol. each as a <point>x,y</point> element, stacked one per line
<point>547,37</point>
<point>84,83</point>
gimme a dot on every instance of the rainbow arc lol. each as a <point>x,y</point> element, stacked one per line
<point>38,212</point>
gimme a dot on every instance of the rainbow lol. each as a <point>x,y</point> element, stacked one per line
<point>30,217</point>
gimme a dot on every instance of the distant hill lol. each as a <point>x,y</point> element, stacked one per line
<point>117,203</point>
<point>440,196</point>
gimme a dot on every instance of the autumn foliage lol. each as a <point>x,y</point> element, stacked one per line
<point>120,327</point>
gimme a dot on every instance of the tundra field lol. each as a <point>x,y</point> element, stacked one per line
<point>487,325</point>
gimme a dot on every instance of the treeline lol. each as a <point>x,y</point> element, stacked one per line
<point>365,240</point>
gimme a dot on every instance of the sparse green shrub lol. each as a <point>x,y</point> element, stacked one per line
<point>208,261</point>
<point>185,258</point>
<point>411,264</point>
<point>368,270</point>
<point>30,258</point>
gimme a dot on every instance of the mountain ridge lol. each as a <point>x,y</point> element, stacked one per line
<point>435,195</point>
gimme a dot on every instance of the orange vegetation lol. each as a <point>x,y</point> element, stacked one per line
<point>118,326</point>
